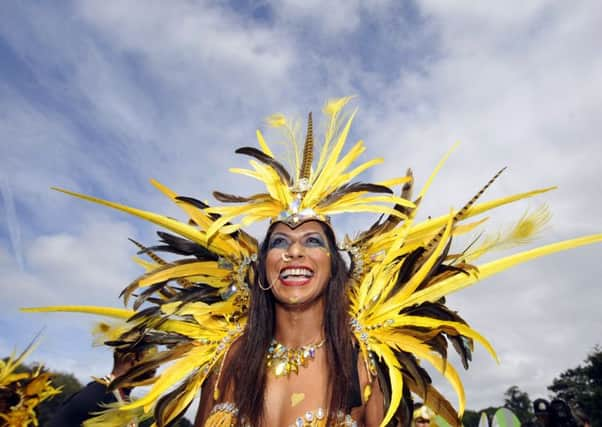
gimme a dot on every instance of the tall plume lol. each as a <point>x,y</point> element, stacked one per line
<point>308,151</point>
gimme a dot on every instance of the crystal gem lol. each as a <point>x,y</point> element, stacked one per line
<point>320,414</point>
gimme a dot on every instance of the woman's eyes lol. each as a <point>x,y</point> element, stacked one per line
<point>283,243</point>
<point>279,242</point>
<point>314,241</point>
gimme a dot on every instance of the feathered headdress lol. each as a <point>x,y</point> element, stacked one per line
<point>402,269</point>
<point>311,192</point>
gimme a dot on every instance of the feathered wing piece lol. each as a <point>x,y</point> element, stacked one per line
<point>196,306</point>
<point>21,392</point>
<point>404,271</point>
<point>193,308</point>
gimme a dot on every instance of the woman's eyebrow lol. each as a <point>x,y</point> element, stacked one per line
<point>279,234</point>
<point>313,233</point>
<point>302,236</point>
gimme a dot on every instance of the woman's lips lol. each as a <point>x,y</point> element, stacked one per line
<point>295,281</point>
<point>295,275</point>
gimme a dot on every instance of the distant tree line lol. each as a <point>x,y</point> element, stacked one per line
<point>579,387</point>
<point>71,385</point>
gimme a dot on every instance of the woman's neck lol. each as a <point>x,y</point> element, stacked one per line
<point>297,326</point>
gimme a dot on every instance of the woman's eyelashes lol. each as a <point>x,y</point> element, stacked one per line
<point>310,241</point>
<point>315,241</point>
<point>279,242</point>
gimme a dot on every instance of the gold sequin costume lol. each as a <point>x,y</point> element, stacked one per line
<point>402,268</point>
<point>226,415</point>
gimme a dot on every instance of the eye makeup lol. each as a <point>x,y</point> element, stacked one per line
<point>309,240</point>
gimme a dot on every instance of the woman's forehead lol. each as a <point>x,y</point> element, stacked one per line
<point>306,227</point>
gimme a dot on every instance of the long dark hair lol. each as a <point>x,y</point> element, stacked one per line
<point>248,359</point>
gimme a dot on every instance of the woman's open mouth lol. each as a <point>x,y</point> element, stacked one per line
<point>295,276</point>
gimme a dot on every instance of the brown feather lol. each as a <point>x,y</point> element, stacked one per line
<point>460,214</point>
<point>182,246</point>
<point>268,160</point>
<point>464,347</point>
<point>391,221</point>
<point>356,187</point>
<point>231,198</point>
<point>411,367</point>
<point>308,151</point>
<point>197,204</point>
<point>170,399</point>
<point>144,296</point>
<point>150,364</point>
<point>142,314</point>
<point>436,402</point>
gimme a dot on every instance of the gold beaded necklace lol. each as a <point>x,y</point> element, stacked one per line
<point>284,360</point>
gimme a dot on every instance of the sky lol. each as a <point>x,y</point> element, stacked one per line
<point>100,97</point>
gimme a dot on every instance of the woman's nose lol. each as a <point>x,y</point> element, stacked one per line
<point>296,250</point>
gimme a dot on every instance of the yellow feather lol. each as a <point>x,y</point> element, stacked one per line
<point>115,417</point>
<point>446,369</point>
<point>524,231</point>
<point>325,173</point>
<point>332,108</point>
<point>184,230</point>
<point>171,376</point>
<point>461,281</point>
<point>395,181</point>
<point>263,144</point>
<point>203,268</point>
<point>276,120</point>
<point>118,313</point>
<point>396,380</point>
<point>105,331</point>
<point>436,223</point>
<point>147,265</point>
<point>6,368</point>
<point>419,276</point>
<point>181,403</point>
<point>223,245</point>
<point>437,169</point>
<point>461,328</point>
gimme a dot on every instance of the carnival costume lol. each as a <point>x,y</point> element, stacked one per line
<point>22,392</point>
<point>402,269</point>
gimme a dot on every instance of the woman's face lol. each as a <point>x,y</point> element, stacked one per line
<point>298,263</point>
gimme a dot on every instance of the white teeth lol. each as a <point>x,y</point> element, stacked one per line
<point>304,272</point>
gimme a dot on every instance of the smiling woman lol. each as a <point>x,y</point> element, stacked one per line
<point>288,333</point>
<point>300,357</point>
<point>298,263</point>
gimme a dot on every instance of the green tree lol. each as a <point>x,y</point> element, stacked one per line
<point>470,418</point>
<point>581,387</point>
<point>519,403</point>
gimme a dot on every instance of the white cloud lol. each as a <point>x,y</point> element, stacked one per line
<point>334,18</point>
<point>123,94</point>
<point>194,38</point>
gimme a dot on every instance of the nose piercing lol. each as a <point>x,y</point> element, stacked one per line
<point>286,257</point>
